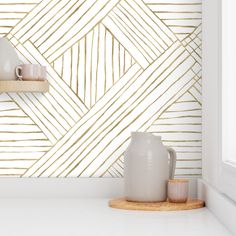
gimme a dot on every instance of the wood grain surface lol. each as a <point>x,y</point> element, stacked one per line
<point>24,86</point>
<point>121,203</point>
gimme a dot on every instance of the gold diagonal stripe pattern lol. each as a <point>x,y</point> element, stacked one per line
<point>95,77</point>
<point>114,66</point>
<point>12,12</point>
<point>126,83</point>
<point>143,78</point>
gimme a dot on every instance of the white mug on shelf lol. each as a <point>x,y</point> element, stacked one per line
<point>31,72</point>
<point>43,73</point>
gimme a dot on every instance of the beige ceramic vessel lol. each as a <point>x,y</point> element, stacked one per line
<point>147,168</point>
<point>178,190</point>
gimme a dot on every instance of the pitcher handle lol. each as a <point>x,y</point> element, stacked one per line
<point>172,164</point>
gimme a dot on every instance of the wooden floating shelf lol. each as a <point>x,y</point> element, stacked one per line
<point>24,86</point>
<point>121,203</point>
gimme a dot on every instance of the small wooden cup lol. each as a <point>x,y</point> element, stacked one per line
<point>178,190</point>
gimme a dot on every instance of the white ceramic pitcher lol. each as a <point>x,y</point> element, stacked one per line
<point>147,168</point>
<point>8,60</point>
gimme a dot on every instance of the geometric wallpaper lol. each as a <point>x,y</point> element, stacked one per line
<point>114,66</point>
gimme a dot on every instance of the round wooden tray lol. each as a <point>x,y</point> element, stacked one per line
<point>121,203</point>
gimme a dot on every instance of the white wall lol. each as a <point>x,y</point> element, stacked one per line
<point>211,100</point>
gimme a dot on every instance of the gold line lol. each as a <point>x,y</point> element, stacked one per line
<point>177,117</point>
<point>12,168</point>
<point>18,3</point>
<point>142,126</point>
<point>77,32</point>
<point>141,37</point>
<point>82,143</point>
<point>61,59</point>
<point>6,26</point>
<point>24,18</point>
<point>23,12</point>
<point>77,71</point>
<point>179,12</point>
<point>5,101</point>
<point>10,175</point>
<point>117,173</point>
<point>43,17</point>
<point>20,124</point>
<point>130,18</point>
<point>136,105</point>
<point>119,53</point>
<point>191,101</point>
<point>54,116</point>
<point>112,174</point>
<point>68,29</point>
<point>151,18</point>
<point>20,150</point>
<point>25,139</point>
<point>16,102</point>
<point>154,30</point>
<point>29,107</point>
<point>58,112</point>
<point>62,71</point>
<point>120,44</point>
<point>195,98</point>
<point>2,160</point>
<point>112,53</point>
<point>96,113</point>
<point>194,50</point>
<point>197,90</point>
<point>181,141</point>
<point>49,19</point>
<point>55,80</point>
<point>104,61</point>
<point>141,94</point>
<point>124,61</point>
<point>195,109</point>
<point>123,119</point>
<point>174,4</point>
<point>20,132</point>
<point>77,8</point>
<point>59,84</point>
<point>176,99</point>
<point>120,174</point>
<point>166,68</point>
<point>98,56</point>
<point>91,68</point>
<point>175,132</point>
<point>179,18</point>
<point>117,71</point>
<point>119,165</point>
<point>177,124</point>
<point>183,26</point>
<point>71,71</point>
<point>85,62</point>
<point>125,141</point>
<point>131,39</point>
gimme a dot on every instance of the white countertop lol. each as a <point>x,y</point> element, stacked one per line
<point>85,217</point>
